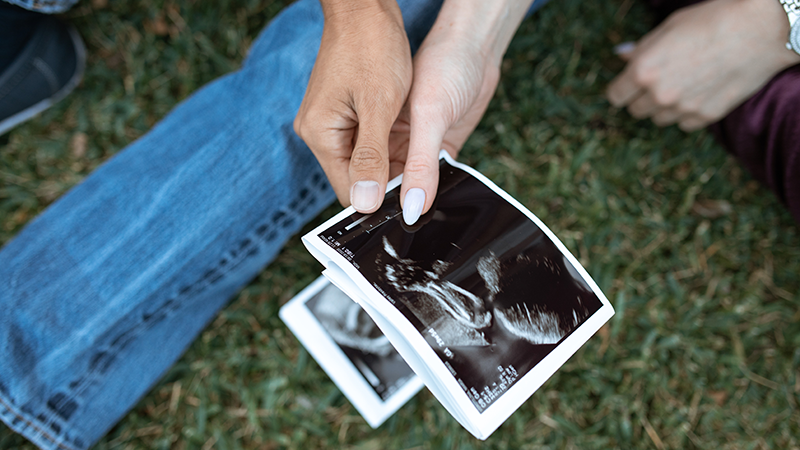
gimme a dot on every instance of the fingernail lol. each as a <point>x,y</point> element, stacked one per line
<point>364,195</point>
<point>625,47</point>
<point>412,205</point>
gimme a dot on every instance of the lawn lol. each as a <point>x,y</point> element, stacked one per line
<point>700,262</point>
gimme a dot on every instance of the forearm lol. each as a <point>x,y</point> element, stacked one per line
<point>487,24</point>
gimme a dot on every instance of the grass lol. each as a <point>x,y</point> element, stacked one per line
<point>700,261</point>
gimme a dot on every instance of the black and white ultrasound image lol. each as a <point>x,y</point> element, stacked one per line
<point>361,341</point>
<point>485,286</point>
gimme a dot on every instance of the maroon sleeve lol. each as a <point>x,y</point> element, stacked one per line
<point>764,133</point>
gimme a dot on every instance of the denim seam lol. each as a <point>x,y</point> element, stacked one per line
<point>31,423</point>
<point>231,258</point>
<point>77,392</point>
<point>46,6</point>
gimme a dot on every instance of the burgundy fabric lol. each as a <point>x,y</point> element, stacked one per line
<point>764,131</point>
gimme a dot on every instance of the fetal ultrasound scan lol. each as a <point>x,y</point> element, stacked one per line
<point>361,340</point>
<point>490,292</point>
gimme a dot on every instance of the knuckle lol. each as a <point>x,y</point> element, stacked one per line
<point>297,125</point>
<point>308,135</point>
<point>705,118</point>
<point>690,125</point>
<point>367,158</point>
<point>689,107</point>
<point>636,111</point>
<point>418,167</point>
<point>305,125</point>
<point>614,96</point>
<point>661,120</point>
<point>380,100</point>
<point>665,97</point>
<point>425,106</point>
<point>713,114</point>
<point>420,112</point>
<point>643,75</point>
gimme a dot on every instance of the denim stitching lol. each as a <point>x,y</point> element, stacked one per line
<point>64,404</point>
<point>43,433</point>
<point>45,6</point>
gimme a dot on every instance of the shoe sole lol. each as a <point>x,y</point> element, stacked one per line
<point>33,110</point>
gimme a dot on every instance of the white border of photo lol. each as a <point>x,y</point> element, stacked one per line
<point>321,346</point>
<point>413,347</point>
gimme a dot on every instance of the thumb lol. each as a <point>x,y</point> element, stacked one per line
<point>625,50</point>
<point>421,172</point>
<point>369,161</point>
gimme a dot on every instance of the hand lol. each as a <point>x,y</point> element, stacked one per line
<point>357,88</point>
<point>703,61</point>
<point>456,71</point>
<point>453,85</point>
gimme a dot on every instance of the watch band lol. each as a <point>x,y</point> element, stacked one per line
<point>792,8</point>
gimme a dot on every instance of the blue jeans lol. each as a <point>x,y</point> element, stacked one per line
<point>104,291</point>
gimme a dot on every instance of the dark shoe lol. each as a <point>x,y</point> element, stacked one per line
<point>46,70</point>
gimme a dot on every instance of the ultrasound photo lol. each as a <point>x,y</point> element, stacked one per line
<point>481,282</point>
<point>361,340</point>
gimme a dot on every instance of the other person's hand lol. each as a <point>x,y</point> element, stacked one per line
<point>703,61</point>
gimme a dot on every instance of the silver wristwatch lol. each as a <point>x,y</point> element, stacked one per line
<point>792,8</point>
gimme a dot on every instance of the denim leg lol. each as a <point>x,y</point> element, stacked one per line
<point>105,289</point>
<point>44,6</point>
<point>535,6</point>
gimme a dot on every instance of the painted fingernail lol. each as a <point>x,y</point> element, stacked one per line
<point>412,205</point>
<point>365,195</point>
<point>625,47</point>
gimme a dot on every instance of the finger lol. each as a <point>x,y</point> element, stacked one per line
<point>336,169</point>
<point>666,117</point>
<point>623,89</point>
<point>644,106</point>
<point>331,146</point>
<point>421,172</point>
<point>692,123</point>
<point>625,50</point>
<point>369,162</point>
<point>398,144</point>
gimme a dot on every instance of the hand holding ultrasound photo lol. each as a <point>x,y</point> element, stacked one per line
<point>479,297</point>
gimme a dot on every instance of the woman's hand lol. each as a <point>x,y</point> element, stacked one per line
<point>456,72</point>
<point>358,116</point>
<point>703,61</point>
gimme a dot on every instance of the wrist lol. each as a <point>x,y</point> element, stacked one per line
<point>349,11</point>
<point>792,10</point>
<point>488,25</point>
<point>772,18</point>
